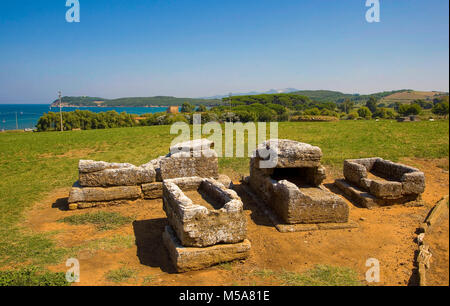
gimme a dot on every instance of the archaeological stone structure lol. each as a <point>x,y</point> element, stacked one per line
<point>207,225</point>
<point>206,220</point>
<point>293,189</point>
<point>102,184</point>
<point>372,182</point>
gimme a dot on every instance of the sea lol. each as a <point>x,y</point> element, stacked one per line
<point>26,116</point>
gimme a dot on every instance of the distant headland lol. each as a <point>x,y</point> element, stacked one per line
<point>159,101</point>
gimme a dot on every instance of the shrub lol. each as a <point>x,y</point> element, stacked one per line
<point>409,109</point>
<point>312,112</point>
<point>187,108</point>
<point>201,108</point>
<point>441,109</point>
<point>245,116</point>
<point>365,113</point>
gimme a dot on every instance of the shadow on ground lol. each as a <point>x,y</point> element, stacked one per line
<point>61,204</point>
<point>150,248</point>
<point>257,215</point>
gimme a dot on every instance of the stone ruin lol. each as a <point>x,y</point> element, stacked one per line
<point>372,182</point>
<point>207,224</point>
<point>293,189</point>
<point>102,184</point>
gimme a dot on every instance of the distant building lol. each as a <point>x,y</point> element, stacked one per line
<point>173,110</point>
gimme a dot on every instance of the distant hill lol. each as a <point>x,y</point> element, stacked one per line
<point>339,97</point>
<point>386,97</point>
<point>253,93</point>
<point>138,101</point>
<point>411,95</point>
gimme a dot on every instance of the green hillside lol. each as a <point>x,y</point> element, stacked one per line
<point>339,97</point>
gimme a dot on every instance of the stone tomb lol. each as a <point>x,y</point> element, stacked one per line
<point>207,225</point>
<point>292,193</point>
<point>372,182</point>
<point>102,184</point>
<point>187,159</point>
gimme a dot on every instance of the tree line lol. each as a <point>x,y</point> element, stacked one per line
<point>259,108</point>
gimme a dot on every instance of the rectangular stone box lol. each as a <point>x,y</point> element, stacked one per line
<point>190,258</point>
<point>214,216</point>
<point>384,179</point>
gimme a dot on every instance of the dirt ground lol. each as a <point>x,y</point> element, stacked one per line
<point>386,234</point>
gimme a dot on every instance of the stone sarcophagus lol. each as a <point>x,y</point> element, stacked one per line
<point>207,225</point>
<point>102,184</point>
<point>293,188</point>
<point>376,182</point>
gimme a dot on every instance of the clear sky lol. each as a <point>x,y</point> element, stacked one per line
<point>196,48</point>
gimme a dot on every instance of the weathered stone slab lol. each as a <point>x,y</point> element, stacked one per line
<point>84,205</point>
<point>190,259</point>
<point>114,174</point>
<point>179,165</point>
<point>386,189</point>
<point>289,228</point>
<point>225,180</point>
<point>361,197</point>
<point>152,191</point>
<point>198,226</point>
<point>89,166</point>
<point>197,145</point>
<point>290,154</point>
<point>98,194</point>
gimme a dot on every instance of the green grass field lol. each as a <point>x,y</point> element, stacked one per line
<point>34,164</point>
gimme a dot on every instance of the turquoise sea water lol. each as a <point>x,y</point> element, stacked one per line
<point>28,114</point>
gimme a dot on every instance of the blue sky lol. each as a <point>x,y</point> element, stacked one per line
<point>195,48</point>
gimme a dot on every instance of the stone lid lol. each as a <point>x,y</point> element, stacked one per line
<point>193,145</point>
<point>289,153</point>
<point>89,166</point>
